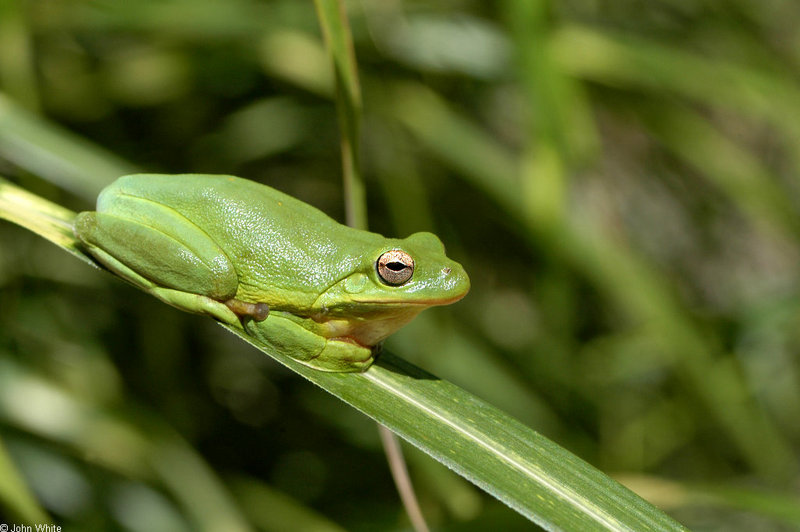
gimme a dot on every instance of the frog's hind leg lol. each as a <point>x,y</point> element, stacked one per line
<point>184,268</point>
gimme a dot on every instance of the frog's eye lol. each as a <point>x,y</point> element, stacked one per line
<point>395,267</point>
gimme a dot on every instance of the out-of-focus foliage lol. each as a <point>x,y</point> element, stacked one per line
<point>618,178</point>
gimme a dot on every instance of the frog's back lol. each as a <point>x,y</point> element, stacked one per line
<point>278,244</point>
<point>215,197</point>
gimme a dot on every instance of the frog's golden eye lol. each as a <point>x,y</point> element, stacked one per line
<point>395,267</point>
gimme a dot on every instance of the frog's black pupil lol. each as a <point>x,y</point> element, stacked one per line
<point>396,266</point>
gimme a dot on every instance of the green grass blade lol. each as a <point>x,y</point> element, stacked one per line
<point>542,481</point>
<point>55,154</point>
<point>336,30</point>
<point>15,497</point>
<point>530,473</point>
<point>43,217</point>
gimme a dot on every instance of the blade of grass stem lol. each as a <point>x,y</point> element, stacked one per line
<point>339,42</point>
<point>336,30</point>
<point>15,496</point>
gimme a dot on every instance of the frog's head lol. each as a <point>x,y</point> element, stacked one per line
<point>395,280</point>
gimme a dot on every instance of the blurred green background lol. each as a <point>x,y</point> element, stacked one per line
<point>618,178</point>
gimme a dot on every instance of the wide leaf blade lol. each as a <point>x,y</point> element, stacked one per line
<point>532,474</point>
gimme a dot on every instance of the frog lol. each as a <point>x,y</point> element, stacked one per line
<point>325,294</point>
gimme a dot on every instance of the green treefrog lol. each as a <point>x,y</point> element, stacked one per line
<point>250,256</point>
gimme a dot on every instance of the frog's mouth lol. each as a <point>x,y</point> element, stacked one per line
<point>399,303</point>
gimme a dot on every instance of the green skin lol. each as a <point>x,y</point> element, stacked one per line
<point>251,256</point>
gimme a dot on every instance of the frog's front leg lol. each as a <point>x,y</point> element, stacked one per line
<point>161,252</point>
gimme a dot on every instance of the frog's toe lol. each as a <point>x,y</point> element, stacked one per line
<point>256,311</point>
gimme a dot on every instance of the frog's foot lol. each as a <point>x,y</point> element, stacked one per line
<point>283,335</point>
<point>343,355</point>
<point>243,309</point>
